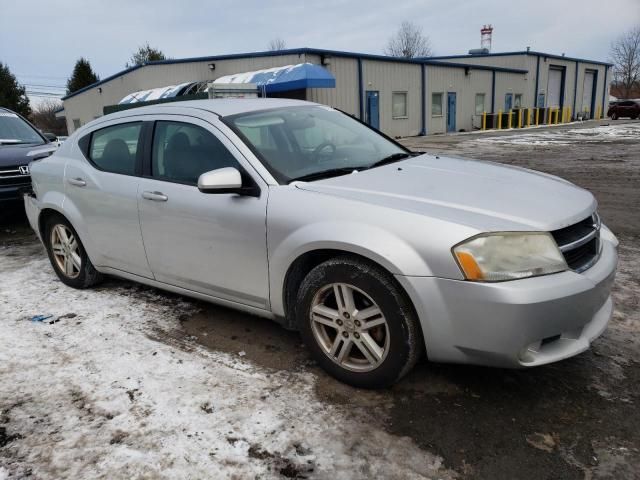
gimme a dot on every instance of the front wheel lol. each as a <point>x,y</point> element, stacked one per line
<point>358,324</point>
<point>67,254</point>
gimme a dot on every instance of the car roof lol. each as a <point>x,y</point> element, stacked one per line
<point>219,106</point>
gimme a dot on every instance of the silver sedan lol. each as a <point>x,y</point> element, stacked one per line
<point>299,213</point>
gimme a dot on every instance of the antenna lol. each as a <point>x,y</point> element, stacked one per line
<point>485,37</point>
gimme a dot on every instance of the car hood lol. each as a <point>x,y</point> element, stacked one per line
<point>15,155</point>
<point>485,195</point>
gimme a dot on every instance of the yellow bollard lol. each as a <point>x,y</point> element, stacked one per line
<point>519,118</point>
<point>528,117</point>
<point>537,115</point>
<point>484,120</point>
<point>509,120</point>
<point>499,119</point>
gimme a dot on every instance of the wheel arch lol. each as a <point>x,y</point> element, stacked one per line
<point>300,267</point>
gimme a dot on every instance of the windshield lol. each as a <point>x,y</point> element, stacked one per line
<point>305,142</point>
<point>15,131</point>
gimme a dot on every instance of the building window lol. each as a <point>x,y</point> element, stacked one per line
<point>436,104</point>
<point>479,103</point>
<point>399,105</point>
<point>517,102</point>
<point>76,123</point>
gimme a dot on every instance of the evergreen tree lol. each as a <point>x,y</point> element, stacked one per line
<point>82,76</point>
<point>146,53</point>
<point>12,95</point>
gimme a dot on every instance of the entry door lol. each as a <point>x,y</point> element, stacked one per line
<point>209,243</point>
<point>373,109</point>
<point>508,102</point>
<point>104,190</point>
<point>451,112</point>
<point>554,87</point>
<point>588,92</point>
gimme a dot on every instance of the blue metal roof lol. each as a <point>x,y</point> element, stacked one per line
<point>302,51</point>
<point>524,52</point>
<point>283,79</point>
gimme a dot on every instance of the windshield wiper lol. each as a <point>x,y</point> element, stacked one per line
<point>333,172</point>
<point>394,157</point>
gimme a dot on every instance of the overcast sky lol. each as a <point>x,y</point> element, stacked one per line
<point>41,40</point>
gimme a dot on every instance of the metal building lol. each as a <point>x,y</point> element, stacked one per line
<point>553,80</point>
<point>401,97</point>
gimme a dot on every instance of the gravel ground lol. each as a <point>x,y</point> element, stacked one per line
<point>229,395</point>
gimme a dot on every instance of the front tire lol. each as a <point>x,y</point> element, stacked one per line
<point>67,254</point>
<point>357,323</point>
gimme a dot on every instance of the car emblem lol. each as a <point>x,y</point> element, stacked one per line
<point>24,170</point>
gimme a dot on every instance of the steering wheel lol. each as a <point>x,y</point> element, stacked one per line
<point>321,147</point>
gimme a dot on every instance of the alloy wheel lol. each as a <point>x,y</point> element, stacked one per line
<point>349,327</point>
<point>66,251</point>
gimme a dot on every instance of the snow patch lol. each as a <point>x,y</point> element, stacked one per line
<point>600,134</point>
<point>97,395</point>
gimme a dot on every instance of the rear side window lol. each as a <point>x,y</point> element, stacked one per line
<point>182,152</point>
<point>114,149</point>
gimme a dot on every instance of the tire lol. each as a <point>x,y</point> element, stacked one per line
<point>381,314</point>
<point>78,273</point>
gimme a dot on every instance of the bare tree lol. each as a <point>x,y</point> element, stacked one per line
<point>625,55</point>
<point>409,42</point>
<point>43,116</point>
<point>276,44</point>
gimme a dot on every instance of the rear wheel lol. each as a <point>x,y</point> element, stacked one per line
<point>67,254</point>
<point>357,323</point>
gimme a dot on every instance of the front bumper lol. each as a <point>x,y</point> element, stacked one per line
<point>12,193</point>
<point>518,323</point>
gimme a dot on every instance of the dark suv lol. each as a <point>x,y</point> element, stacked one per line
<point>624,108</point>
<point>20,143</point>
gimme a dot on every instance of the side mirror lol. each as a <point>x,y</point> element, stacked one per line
<point>50,136</point>
<point>225,180</point>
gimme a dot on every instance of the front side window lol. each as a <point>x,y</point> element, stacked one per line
<point>114,149</point>
<point>399,104</point>
<point>479,103</point>
<point>183,151</point>
<point>295,142</point>
<point>15,131</point>
<point>436,104</point>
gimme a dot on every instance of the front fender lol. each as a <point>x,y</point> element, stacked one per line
<point>374,243</point>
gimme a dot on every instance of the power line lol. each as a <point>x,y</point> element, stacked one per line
<point>40,76</point>
<point>28,85</point>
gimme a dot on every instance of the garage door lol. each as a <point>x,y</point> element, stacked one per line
<point>587,90</point>
<point>554,87</point>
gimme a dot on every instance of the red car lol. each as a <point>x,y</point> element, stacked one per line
<point>624,108</point>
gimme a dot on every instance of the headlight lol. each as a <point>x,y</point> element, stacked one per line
<point>495,257</point>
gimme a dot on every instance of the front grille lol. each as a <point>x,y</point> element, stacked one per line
<point>580,243</point>
<point>11,176</point>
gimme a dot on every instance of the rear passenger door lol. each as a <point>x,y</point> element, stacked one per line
<point>102,189</point>
<point>209,243</point>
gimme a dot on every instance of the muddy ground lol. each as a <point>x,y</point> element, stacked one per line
<point>576,419</point>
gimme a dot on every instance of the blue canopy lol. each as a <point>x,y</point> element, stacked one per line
<point>282,79</point>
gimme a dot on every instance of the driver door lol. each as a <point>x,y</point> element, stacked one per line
<point>208,243</point>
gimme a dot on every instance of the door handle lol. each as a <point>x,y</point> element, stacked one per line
<point>78,182</point>
<point>155,196</point>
